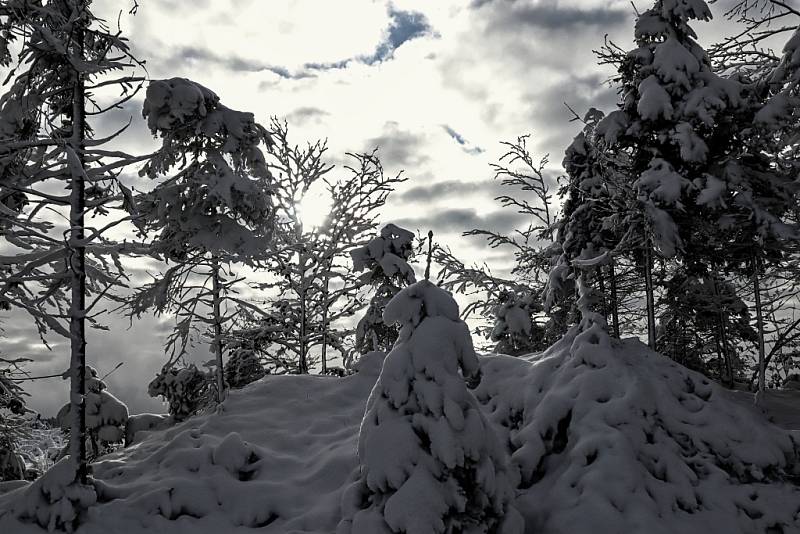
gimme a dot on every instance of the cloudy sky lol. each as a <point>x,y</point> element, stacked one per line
<point>436,85</point>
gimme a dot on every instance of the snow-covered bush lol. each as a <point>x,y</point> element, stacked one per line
<point>186,390</point>
<point>385,260</point>
<point>55,500</point>
<point>243,367</point>
<point>106,416</point>
<point>12,426</point>
<point>515,330</point>
<point>430,461</point>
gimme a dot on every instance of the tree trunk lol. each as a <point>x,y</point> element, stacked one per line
<point>723,333</point>
<point>720,359</point>
<point>324,352</point>
<point>727,348</point>
<point>215,292</point>
<point>601,286</point>
<point>303,363</point>
<point>648,284</point>
<point>77,263</point>
<point>762,371</point>
<point>614,301</point>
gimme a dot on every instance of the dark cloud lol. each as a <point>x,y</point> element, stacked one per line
<point>398,148</point>
<point>516,15</point>
<point>142,357</point>
<point>136,138</point>
<point>578,92</point>
<point>328,66</point>
<point>190,56</point>
<point>459,220</point>
<point>449,189</point>
<point>305,114</point>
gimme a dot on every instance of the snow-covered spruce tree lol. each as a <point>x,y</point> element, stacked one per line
<point>312,285</point>
<point>595,195</point>
<point>68,70</point>
<point>106,416</point>
<point>690,327</point>
<point>214,211</point>
<point>385,258</point>
<point>674,125</point>
<point>429,460</point>
<point>756,196</point>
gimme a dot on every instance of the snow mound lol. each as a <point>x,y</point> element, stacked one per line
<point>605,436</point>
<point>275,458</point>
<point>608,433</point>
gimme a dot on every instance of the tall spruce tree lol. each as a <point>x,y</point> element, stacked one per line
<point>673,124</point>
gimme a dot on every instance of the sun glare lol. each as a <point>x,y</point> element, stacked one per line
<point>314,206</point>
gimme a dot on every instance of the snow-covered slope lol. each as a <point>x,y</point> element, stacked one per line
<point>605,437</point>
<point>612,437</point>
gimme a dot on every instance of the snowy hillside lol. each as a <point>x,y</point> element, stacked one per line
<point>604,437</point>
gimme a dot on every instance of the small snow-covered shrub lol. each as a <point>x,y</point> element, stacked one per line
<point>106,416</point>
<point>243,367</point>
<point>186,390</point>
<point>515,330</point>
<point>56,499</point>
<point>385,260</point>
<point>430,461</point>
<point>12,428</point>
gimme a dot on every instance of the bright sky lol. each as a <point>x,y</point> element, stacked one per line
<point>436,85</point>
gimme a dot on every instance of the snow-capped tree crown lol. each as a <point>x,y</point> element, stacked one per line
<point>219,201</point>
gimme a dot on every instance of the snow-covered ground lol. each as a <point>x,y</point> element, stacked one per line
<point>603,436</point>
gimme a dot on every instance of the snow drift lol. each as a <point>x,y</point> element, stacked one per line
<point>604,436</point>
<point>609,436</point>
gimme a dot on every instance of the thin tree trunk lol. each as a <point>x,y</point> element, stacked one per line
<point>723,332</point>
<point>325,320</point>
<point>303,364</point>
<point>601,285</point>
<point>614,301</point>
<point>762,371</point>
<point>648,284</point>
<point>720,359</point>
<point>215,292</point>
<point>727,347</point>
<point>77,262</point>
